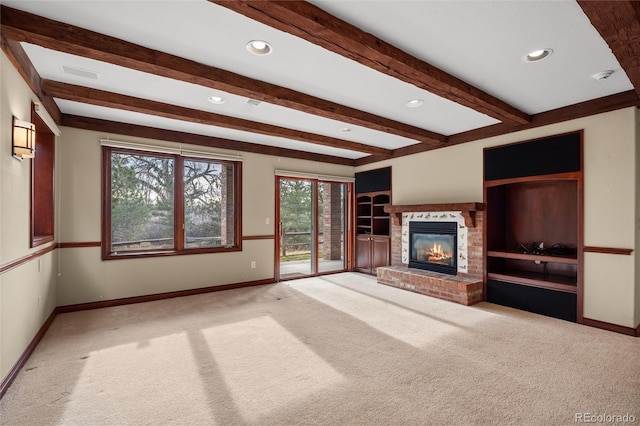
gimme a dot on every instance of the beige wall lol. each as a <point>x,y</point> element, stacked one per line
<point>609,199</point>
<point>27,292</point>
<point>30,291</point>
<point>84,277</point>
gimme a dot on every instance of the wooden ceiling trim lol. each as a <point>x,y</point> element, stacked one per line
<point>371,159</point>
<point>91,96</point>
<point>618,23</point>
<point>571,112</point>
<point>23,26</point>
<point>118,128</point>
<point>22,63</point>
<point>313,24</point>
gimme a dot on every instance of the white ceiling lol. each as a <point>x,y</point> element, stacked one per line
<point>483,42</point>
<point>480,42</point>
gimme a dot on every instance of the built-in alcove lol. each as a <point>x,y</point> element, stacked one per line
<point>533,226</point>
<point>532,233</point>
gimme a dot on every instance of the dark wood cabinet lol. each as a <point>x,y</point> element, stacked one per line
<point>373,246</point>
<point>533,231</point>
<point>372,251</point>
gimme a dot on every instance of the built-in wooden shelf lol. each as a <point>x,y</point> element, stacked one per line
<point>534,279</point>
<point>468,210</point>
<point>535,257</point>
<point>372,245</point>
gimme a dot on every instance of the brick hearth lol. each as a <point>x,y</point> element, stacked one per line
<point>464,288</point>
<point>465,291</point>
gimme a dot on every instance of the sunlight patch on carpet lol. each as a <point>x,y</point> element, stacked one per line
<point>265,367</point>
<point>157,365</point>
<point>403,324</point>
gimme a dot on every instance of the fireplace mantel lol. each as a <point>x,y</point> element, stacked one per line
<point>468,210</point>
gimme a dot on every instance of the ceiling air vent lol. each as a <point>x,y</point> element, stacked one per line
<point>78,72</point>
<point>599,76</point>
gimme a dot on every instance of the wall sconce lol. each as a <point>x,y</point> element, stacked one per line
<point>24,139</point>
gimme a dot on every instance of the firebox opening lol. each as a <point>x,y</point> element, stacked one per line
<point>433,246</point>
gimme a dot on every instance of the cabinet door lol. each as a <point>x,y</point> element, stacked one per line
<point>381,252</point>
<point>363,253</point>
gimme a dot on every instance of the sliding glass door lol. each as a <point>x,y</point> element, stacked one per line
<point>331,226</point>
<point>311,227</point>
<point>296,228</point>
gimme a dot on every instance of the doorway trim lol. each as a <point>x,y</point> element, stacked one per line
<point>349,235</point>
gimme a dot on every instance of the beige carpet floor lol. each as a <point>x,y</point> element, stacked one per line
<point>334,350</point>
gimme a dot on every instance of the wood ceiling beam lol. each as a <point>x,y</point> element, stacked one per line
<point>558,115</point>
<point>313,24</point>
<point>618,23</point>
<point>115,127</point>
<point>102,98</point>
<point>23,64</point>
<point>572,112</point>
<point>22,26</point>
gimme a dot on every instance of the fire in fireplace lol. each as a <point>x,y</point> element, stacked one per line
<point>433,246</point>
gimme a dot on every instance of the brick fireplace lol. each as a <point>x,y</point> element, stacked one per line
<point>465,287</point>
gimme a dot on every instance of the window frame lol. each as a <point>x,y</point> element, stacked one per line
<point>43,202</point>
<point>179,248</point>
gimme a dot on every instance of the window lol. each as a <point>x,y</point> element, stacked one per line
<point>163,203</point>
<point>42,184</point>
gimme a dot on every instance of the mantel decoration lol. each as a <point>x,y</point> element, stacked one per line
<point>468,210</point>
<point>24,139</point>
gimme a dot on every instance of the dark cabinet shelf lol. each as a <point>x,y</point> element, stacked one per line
<point>533,257</point>
<point>370,215</point>
<point>534,279</point>
<point>555,273</point>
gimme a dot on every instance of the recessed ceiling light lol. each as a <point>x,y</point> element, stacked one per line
<point>414,103</point>
<point>603,75</point>
<point>215,100</point>
<point>259,47</point>
<point>345,130</point>
<point>538,55</point>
